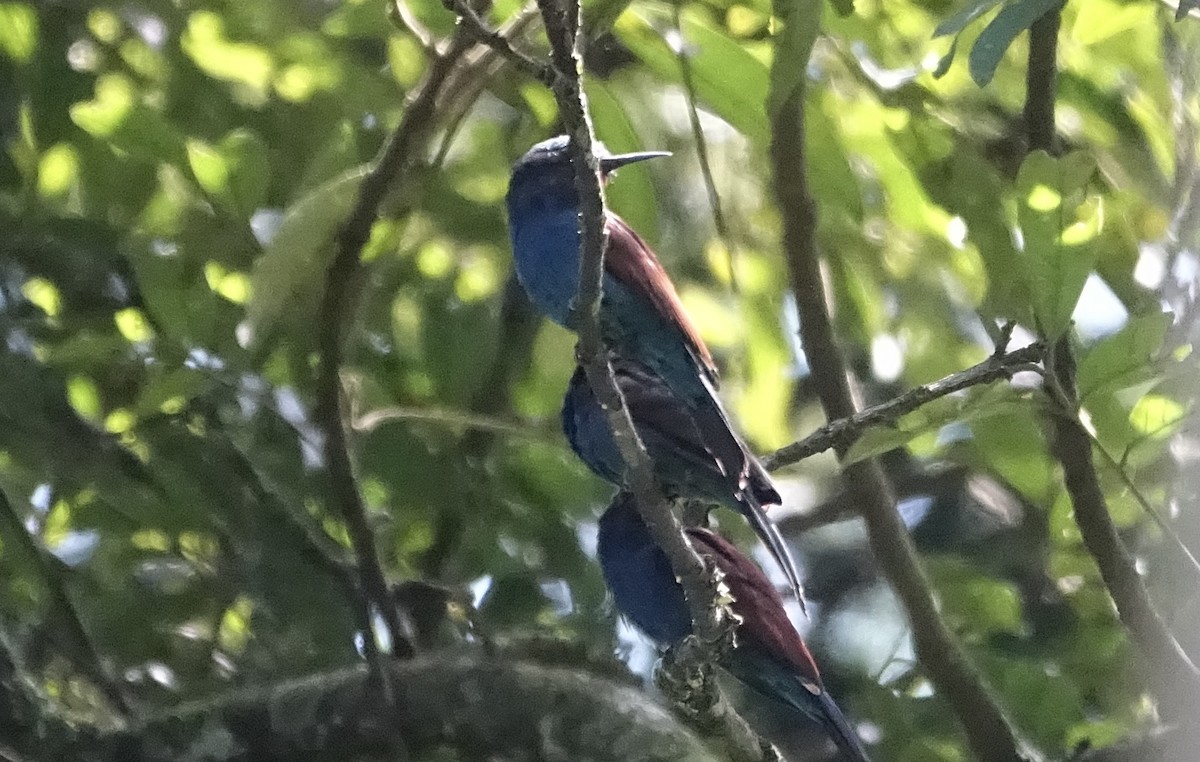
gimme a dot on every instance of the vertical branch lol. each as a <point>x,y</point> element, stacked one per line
<point>709,620</point>
<point>1041,77</point>
<point>82,650</point>
<point>336,313</point>
<point>991,737</point>
<point>561,22</point>
<point>1072,444</point>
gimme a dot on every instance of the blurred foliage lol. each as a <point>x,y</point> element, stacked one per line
<point>171,175</point>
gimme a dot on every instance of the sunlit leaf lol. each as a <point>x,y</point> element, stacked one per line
<point>18,31</point>
<point>631,194</point>
<point>728,79</point>
<point>1058,224</point>
<point>294,263</point>
<point>245,156</point>
<point>1123,358</point>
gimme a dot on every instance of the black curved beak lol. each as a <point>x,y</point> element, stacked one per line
<point>613,163</point>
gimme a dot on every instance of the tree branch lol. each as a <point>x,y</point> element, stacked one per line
<point>469,20</point>
<point>1041,75</point>
<point>840,434</point>
<point>1072,445</point>
<point>471,79</point>
<point>482,709</point>
<point>561,26</point>
<point>82,651</point>
<point>991,737</point>
<point>711,622</point>
<point>336,312</point>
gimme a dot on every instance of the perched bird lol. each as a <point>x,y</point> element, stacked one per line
<point>769,657</point>
<point>695,454</point>
<point>641,315</point>
<point>641,318</point>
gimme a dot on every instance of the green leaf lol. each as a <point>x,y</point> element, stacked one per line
<point>18,31</point>
<point>208,165</point>
<point>829,171</point>
<point>249,171</point>
<point>992,43</point>
<point>728,78</point>
<point>631,193</point>
<point>801,25</point>
<point>116,115</point>
<point>843,7</point>
<point>945,62</point>
<point>235,172</point>
<point>1058,226</point>
<point>963,18</point>
<point>985,605</point>
<point>296,258</point>
<point>338,153</point>
<point>599,15</point>
<point>1121,360</point>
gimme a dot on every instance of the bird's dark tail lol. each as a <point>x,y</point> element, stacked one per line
<point>770,536</point>
<point>840,731</point>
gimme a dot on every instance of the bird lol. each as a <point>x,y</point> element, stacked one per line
<point>695,455</point>
<point>768,656</point>
<point>641,315</point>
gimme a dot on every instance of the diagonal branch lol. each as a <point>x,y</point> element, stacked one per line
<point>1072,445</point>
<point>840,434</point>
<point>336,312</point>
<point>469,20</point>
<point>83,651</point>
<point>989,733</point>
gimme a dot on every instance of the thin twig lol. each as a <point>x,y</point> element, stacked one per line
<point>710,185</point>
<point>840,434</point>
<point>1159,520</point>
<point>1172,669</point>
<point>83,651</point>
<point>336,313</point>
<point>469,20</point>
<point>710,623</point>
<point>989,733</point>
<point>471,79</point>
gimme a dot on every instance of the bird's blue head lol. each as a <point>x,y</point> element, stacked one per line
<point>543,221</point>
<point>545,172</point>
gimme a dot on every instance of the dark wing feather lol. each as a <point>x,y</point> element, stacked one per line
<point>653,404</point>
<point>704,436</point>
<point>630,260</point>
<point>657,411</point>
